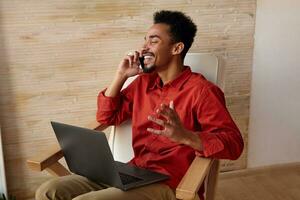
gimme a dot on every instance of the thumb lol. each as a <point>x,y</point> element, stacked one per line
<point>171,105</point>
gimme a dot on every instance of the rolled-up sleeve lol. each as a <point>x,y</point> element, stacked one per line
<point>220,136</point>
<point>115,110</point>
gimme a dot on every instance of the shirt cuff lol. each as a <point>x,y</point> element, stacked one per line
<point>211,144</point>
<point>108,103</point>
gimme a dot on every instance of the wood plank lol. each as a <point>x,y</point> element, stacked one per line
<point>45,160</point>
<point>58,169</point>
<point>196,175</point>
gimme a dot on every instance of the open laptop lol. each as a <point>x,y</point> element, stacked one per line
<point>87,153</point>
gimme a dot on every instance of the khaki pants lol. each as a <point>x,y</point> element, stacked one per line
<point>80,188</point>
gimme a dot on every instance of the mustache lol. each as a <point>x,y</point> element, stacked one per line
<point>148,54</point>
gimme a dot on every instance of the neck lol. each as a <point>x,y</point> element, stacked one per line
<point>171,71</point>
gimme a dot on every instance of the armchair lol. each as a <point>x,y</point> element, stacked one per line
<point>201,171</point>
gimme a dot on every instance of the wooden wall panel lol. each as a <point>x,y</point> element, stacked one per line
<point>55,56</point>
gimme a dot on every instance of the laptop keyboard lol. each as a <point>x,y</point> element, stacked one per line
<point>126,179</point>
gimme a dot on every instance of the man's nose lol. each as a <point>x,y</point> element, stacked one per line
<point>145,44</point>
<point>144,49</point>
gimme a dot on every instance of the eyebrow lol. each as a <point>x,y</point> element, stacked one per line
<point>152,36</point>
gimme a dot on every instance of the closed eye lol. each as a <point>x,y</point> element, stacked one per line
<point>153,42</point>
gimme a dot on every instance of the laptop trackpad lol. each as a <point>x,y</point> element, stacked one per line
<point>131,169</point>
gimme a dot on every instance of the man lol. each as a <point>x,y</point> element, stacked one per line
<point>176,114</point>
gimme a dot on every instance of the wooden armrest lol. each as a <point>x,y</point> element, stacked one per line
<point>193,178</point>
<point>50,158</point>
<point>45,159</point>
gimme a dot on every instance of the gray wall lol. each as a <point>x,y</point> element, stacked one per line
<point>274,130</point>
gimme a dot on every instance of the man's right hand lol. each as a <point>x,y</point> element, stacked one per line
<point>129,66</point>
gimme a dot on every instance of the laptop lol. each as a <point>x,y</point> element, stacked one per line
<point>88,154</point>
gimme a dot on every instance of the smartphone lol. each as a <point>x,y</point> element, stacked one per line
<point>141,59</point>
<point>145,69</point>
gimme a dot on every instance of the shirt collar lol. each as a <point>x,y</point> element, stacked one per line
<point>176,83</point>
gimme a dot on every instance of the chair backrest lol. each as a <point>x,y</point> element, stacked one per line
<point>120,138</point>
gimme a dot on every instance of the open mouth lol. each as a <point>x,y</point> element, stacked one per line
<point>147,62</point>
<point>148,58</point>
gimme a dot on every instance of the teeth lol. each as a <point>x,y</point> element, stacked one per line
<point>147,57</point>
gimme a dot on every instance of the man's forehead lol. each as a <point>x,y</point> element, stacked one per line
<point>158,30</point>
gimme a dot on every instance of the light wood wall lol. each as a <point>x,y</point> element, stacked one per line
<point>56,55</point>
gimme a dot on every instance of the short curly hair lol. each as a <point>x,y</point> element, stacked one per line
<point>182,28</point>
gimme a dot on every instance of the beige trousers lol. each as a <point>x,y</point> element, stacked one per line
<point>80,188</point>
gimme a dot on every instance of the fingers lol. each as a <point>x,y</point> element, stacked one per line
<point>129,58</point>
<point>133,58</point>
<point>167,111</point>
<point>171,105</point>
<point>158,132</point>
<point>136,57</point>
<point>156,120</point>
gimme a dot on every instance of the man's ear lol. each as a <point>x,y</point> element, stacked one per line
<point>178,48</point>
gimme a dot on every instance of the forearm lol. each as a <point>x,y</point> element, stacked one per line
<point>115,86</point>
<point>113,105</point>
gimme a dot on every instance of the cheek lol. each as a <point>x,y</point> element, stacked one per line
<point>163,54</point>
<point>164,57</point>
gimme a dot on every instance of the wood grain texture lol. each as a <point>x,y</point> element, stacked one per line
<point>195,175</point>
<point>55,56</point>
<point>58,169</point>
<point>212,181</point>
<point>268,183</point>
<point>45,159</point>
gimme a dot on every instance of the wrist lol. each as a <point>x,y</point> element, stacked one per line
<point>116,85</point>
<point>120,76</point>
<point>192,140</point>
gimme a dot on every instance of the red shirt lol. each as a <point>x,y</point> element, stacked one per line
<point>201,107</point>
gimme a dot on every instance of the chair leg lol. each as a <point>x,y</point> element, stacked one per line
<point>212,179</point>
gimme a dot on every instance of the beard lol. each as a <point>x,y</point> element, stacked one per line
<point>146,69</point>
<point>149,69</point>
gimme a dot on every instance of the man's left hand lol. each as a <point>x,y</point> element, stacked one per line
<point>172,126</point>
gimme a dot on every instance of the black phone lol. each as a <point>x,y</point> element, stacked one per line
<point>145,69</point>
<point>141,59</point>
